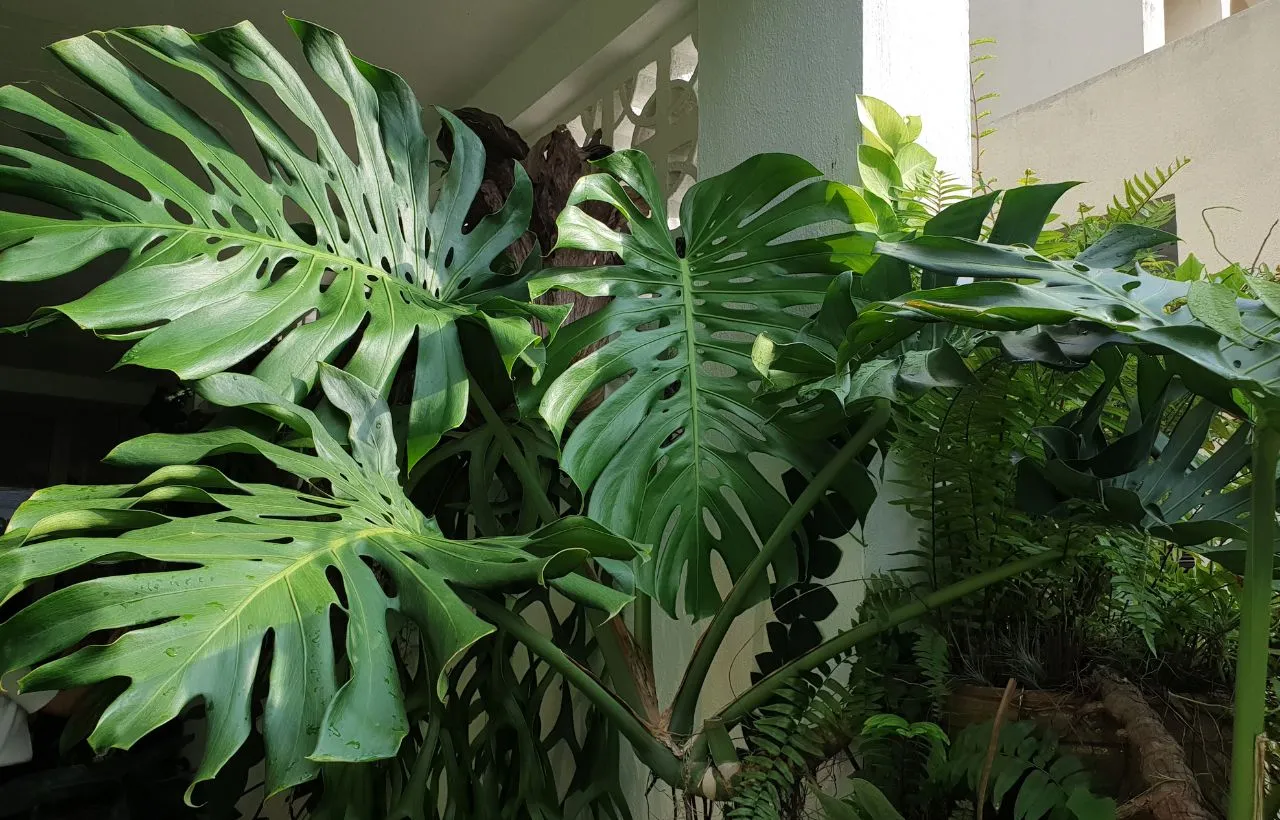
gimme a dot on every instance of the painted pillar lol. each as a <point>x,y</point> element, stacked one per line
<point>781,75</point>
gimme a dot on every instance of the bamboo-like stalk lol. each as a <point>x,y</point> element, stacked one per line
<point>765,689</point>
<point>1255,626</point>
<point>659,759</point>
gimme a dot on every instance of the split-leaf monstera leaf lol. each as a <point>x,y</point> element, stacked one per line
<point>205,568</point>
<point>327,255</point>
<point>1233,345</point>
<point>671,456</point>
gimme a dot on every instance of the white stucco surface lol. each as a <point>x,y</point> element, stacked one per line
<point>1183,17</point>
<point>915,56</point>
<point>1045,46</point>
<point>1203,96</point>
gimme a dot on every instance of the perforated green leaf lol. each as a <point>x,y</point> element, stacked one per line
<point>327,253</point>
<point>238,564</point>
<point>671,456</point>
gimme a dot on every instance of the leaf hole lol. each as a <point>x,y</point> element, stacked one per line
<point>244,219</point>
<point>155,242</point>
<point>712,525</point>
<point>335,579</point>
<point>229,252</point>
<point>340,216</point>
<point>384,579</point>
<point>217,175</point>
<point>178,212</point>
<point>717,370</point>
<point>282,267</point>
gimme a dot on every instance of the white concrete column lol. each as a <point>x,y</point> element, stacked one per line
<point>778,75</point>
<point>915,56</point>
<point>781,75</point>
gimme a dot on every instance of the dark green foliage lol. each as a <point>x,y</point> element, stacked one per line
<point>1028,770</point>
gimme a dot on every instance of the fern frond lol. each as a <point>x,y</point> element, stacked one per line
<point>1141,191</point>
<point>934,663</point>
<point>1028,768</point>
<point>1127,554</point>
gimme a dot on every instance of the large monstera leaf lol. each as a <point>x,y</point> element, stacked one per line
<point>327,253</point>
<point>1173,471</point>
<point>1069,308</point>
<point>670,456</point>
<point>193,572</point>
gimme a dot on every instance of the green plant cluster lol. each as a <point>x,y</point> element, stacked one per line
<point>415,559</point>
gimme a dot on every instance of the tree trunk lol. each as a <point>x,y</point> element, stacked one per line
<point>1172,791</point>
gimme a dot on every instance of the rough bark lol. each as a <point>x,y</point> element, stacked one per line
<point>554,165</point>
<point>1172,792</point>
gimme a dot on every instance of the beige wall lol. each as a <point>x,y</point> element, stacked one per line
<point>1208,96</point>
<point>1183,17</point>
<point>1045,46</point>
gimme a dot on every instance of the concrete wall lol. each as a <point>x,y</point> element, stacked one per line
<point>1204,96</point>
<point>1045,46</point>
<point>1183,17</point>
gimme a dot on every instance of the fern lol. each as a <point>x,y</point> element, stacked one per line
<point>915,207</point>
<point>811,718</point>
<point>1029,768</point>
<point>1128,553</point>
<point>1140,203</point>
<point>934,664</point>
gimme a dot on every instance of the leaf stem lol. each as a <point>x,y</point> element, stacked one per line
<point>704,653</point>
<point>1255,624</point>
<point>535,493</point>
<point>643,631</point>
<point>660,760</point>
<point>762,691</point>
<point>615,642</point>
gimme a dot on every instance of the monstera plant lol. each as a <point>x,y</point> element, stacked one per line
<point>408,607</point>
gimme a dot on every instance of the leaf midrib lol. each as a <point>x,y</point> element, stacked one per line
<point>691,357</point>
<point>284,575</point>
<point>251,239</point>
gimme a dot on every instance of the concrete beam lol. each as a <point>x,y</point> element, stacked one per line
<point>571,56</point>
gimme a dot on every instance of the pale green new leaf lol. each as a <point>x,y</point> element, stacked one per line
<point>667,456</point>
<point>327,253</point>
<point>238,564</point>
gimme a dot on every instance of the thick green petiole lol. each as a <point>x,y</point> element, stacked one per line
<point>1255,625</point>
<point>652,753</point>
